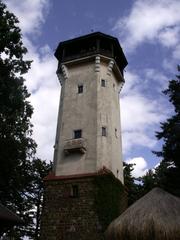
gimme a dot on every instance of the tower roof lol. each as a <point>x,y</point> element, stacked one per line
<point>91,44</point>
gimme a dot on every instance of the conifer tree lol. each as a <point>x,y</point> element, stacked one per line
<point>168,173</point>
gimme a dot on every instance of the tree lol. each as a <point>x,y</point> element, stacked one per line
<point>131,187</point>
<point>17,147</point>
<point>168,172</point>
<point>40,169</point>
<point>148,182</point>
<point>21,174</point>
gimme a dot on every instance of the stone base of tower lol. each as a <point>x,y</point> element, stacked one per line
<point>81,207</point>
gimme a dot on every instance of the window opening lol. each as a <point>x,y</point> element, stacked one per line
<point>103,83</point>
<point>117,173</point>
<point>116,132</point>
<point>104,132</point>
<point>74,191</point>
<point>80,89</point>
<point>77,133</point>
<point>114,86</point>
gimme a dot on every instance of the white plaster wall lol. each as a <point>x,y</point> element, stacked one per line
<point>109,149</point>
<point>79,112</point>
<point>96,107</point>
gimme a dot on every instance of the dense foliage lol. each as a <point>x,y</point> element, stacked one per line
<point>131,187</point>
<point>20,172</point>
<point>16,144</point>
<point>110,198</point>
<point>167,175</point>
<point>39,169</point>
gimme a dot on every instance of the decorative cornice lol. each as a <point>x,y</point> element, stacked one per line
<point>97,64</point>
<point>110,67</point>
<point>121,86</point>
<point>64,71</point>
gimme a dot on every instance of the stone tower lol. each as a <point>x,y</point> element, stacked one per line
<point>88,136</point>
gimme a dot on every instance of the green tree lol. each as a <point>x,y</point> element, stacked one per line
<point>168,172</point>
<point>21,174</point>
<point>17,147</point>
<point>40,169</point>
<point>132,188</point>
<point>148,182</point>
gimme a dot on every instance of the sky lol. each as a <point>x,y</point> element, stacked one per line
<point>148,32</point>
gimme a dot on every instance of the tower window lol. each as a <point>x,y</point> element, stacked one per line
<point>114,86</point>
<point>80,89</point>
<point>77,133</point>
<point>104,131</point>
<point>74,191</point>
<point>117,173</point>
<point>116,132</point>
<point>103,83</point>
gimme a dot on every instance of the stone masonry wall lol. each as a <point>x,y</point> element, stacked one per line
<point>81,207</point>
<point>70,218</point>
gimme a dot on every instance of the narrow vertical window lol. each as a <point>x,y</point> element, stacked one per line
<point>114,86</point>
<point>103,83</point>
<point>116,133</point>
<point>77,133</point>
<point>80,89</point>
<point>104,131</point>
<point>74,191</point>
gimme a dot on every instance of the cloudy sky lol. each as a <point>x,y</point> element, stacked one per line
<point>149,33</point>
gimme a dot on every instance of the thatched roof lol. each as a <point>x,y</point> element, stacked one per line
<point>156,216</point>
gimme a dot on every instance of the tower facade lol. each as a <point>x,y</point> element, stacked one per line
<point>84,193</point>
<point>89,133</point>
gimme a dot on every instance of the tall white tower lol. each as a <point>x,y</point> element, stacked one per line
<point>88,134</point>
<point>80,200</point>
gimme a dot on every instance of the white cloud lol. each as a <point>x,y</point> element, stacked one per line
<point>140,167</point>
<point>31,13</point>
<point>43,67</point>
<point>141,114</point>
<point>156,78</point>
<point>45,102</point>
<point>169,37</point>
<point>41,79</point>
<point>132,81</point>
<point>42,82</point>
<point>150,20</point>
<point>176,53</point>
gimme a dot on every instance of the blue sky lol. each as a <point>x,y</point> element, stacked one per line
<point>149,33</point>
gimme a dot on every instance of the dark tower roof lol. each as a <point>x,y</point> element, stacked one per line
<point>91,44</point>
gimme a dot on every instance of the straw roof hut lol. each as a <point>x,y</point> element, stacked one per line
<point>156,216</point>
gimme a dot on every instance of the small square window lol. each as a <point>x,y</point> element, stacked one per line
<point>103,83</point>
<point>80,89</point>
<point>74,191</point>
<point>77,133</point>
<point>104,132</point>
